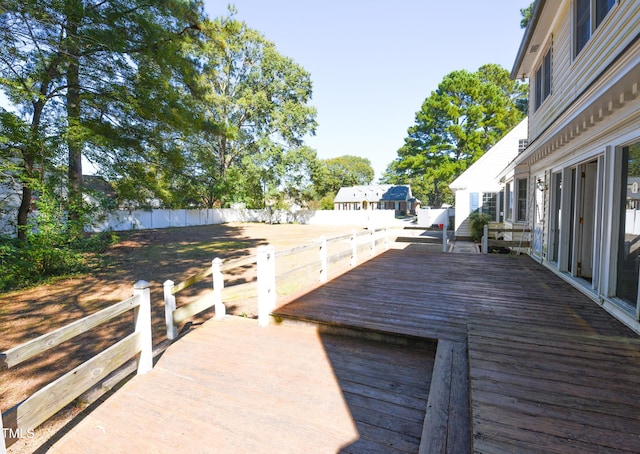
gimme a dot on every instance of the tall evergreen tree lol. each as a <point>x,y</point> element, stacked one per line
<point>458,123</point>
<point>526,15</point>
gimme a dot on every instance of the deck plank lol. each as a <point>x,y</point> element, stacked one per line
<point>227,387</point>
<point>532,393</point>
<point>530,371</point>
<point>433,295</point>
<point>559,344</point>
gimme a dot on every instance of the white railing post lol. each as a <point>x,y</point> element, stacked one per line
<point>169,307</point>
<point>373,243</point>
<point>444,234</point>
<point>218,285</point>
<point>142,319</point>
<point>266,283</point>
<point>354,248</point>
<point>485,240</point>
<point>386,238</point>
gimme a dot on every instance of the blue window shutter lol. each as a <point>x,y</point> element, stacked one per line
<point>474,201</point>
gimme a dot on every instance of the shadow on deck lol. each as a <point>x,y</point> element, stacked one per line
<point>356,370</point>
<point>547,369</point>
<point>230,386</point>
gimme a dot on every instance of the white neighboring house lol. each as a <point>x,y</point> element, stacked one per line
<point>576,186</point>
<point>396,197</point>
<point>479,187</point>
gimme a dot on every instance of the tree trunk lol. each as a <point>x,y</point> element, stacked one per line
<point>23,212</point>
<point>28,164</point>
<point>74,141</point>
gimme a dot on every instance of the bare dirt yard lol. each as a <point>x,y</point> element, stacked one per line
<point>151,255</point>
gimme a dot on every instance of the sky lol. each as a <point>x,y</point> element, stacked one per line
<point>373,63</point>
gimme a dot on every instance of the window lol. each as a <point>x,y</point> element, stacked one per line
<point>602,9</point>
<point>508,201</point>
<point>522,145</point>
<point>629,237</point>
<point>542,83</point>
<point>546,88</point>
<point>489,201</point>
<point>521,208</point>
<point>589,14</point>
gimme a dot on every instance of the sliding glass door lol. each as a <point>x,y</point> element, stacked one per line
<point>629,234</point>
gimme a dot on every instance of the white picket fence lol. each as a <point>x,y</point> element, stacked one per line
<point>159,219</point>
<point>434,216</point>
<point>347,251</point>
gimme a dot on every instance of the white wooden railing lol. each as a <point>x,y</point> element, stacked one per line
<point>356,247</point>
<point>330,254</point>
<point>494,236</point>
<point>21,420</point>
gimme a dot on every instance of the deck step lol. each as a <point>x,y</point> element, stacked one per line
<point>419,239</point>
<point>446,427</point>
<point>326,327</point>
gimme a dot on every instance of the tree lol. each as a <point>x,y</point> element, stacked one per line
<point>73,69</point>
<point>332,174</point>
<point>526,15</point>
<point>252,113</point>
<point>457,124</point>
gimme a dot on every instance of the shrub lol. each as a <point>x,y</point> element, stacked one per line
<point>477,221</point>
<point>54,247</point>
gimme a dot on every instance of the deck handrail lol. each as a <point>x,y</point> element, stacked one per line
<point>521,242</point>
<point>23,418</point>
<point>265,275</point>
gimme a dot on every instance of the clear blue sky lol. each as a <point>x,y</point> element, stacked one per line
<point>374,62</point>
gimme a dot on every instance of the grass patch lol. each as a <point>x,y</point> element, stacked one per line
<point>206,251</point>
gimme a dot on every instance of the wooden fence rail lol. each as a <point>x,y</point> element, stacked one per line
<point>349,246</point>
<point>22,419</point>
<point>522,242</point>
<point>44,403</point>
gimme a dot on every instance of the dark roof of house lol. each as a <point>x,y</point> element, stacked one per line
<point>397,193</point>
<point>374,193</point>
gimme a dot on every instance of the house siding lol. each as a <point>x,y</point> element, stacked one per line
<point>576,144</point>
<point>483,177</point>
<point>571,76</point>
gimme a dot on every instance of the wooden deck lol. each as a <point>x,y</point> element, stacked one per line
<point>524,363</point>
<point>549,370</point>
<point>547,390</point>
<point>230,386</point>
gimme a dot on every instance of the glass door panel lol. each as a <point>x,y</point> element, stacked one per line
<point>629,236</point>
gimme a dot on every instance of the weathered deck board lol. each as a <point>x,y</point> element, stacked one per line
<point>539,390</point>
<point>446,424</point>
<point>433,295</point>
<point>231,386</point>
<point>550,370</point>
<point>569,346</point>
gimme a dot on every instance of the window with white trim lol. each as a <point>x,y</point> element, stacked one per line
<point>521,203</point>
<point>508,201</point>
<point>489,205</point>
<point>522,145</point>
<point>542,82</point>
<point>589,14</point>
